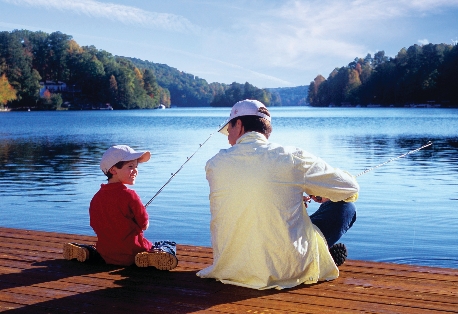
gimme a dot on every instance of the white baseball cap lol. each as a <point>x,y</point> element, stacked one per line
<point>118,153</point>
<point>247,107</point>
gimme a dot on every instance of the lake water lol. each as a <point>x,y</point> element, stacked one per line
<point>407,211</point>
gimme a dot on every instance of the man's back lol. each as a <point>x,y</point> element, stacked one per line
<point>262,236</point>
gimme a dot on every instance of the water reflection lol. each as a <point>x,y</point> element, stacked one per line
<point>49,166</point>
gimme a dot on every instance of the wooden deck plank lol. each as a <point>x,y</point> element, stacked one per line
<point>34,278</point>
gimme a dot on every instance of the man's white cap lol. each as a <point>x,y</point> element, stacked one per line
<point>247,107</point>
<point>118,153</point>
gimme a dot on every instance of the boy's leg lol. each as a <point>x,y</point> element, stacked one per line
<point>334,219</point>
<point>82,252</point>
<point>162,255</point>
<point>74,250</point>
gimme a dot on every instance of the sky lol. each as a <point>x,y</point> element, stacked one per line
<point>268,43</point>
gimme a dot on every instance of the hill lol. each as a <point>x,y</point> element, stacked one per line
<point>45,71</point>
<point>419,76</point>
<point>291,96</point>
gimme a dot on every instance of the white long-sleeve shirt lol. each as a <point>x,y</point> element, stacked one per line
<point>262,236</point>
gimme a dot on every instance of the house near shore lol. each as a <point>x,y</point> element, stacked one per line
<point>53,87</point>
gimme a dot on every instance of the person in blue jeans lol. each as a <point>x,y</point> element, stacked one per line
<point>333,219</point>
<point>261,234</point>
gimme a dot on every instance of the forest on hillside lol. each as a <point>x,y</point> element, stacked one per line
<point>30,61</point>
<point>187,90</point>
<point>52,71</point>
<point>417,76</point>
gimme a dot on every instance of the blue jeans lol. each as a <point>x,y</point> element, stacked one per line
<point>334,219</point>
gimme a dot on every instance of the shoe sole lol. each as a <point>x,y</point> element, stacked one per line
<point>72,251</point>
<point>160,260</point>
<point>339,253</point>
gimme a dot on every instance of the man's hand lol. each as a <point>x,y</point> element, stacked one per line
<point>317,199</point>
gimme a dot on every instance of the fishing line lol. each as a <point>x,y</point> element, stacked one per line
<point>187,159</point>
<point>393,159</point>
<point>219,127</point>
<point>382,164</point>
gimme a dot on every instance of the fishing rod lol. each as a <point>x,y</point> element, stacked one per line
<point>319,198</point>
<point>176,172</point>
<point>219,127</point>
<point>395,158</point>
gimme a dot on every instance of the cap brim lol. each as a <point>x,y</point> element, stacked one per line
<point>140,156</point>
<point>224,130</point>
<point>145,157</point>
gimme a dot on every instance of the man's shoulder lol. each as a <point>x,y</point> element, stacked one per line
<point>286,149</point>
<point>219,155</point>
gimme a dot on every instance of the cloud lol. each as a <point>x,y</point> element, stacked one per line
<point>295,37</point>
<point>428,5</point>
<point>119,13</point>
<point>270,41</point>
<point>297,33</point>
<point>423,41</point>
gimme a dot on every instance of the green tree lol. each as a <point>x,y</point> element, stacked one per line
<point>352,85</point>
<point>16,63</point>
<point>236,92</point>
<point>164,97</point>
<point>50,101</point>
<point>448,78</point>
<point>39,45</point>
<point>125,87</point>
<point>113,91</point>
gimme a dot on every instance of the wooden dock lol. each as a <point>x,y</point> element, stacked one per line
<point>34,278</point>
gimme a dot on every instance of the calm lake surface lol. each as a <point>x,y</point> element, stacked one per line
<point>407,211</point>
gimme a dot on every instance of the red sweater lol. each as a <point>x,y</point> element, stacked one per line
<point>118,217</point>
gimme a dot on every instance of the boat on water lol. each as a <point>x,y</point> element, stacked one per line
<point>107,106</point>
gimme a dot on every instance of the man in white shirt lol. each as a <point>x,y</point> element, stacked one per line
<point>262,236</point>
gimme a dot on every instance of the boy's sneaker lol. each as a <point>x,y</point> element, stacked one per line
<point>339,253</point>
<point>162,256</point>
<point>156,258</point>
<point>75,250</point>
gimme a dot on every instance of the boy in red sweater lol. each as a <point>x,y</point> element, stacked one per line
<point>119,218</point>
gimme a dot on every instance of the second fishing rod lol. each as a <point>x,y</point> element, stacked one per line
<point>225,122</point>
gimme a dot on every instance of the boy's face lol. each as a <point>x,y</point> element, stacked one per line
<point>126,174</point>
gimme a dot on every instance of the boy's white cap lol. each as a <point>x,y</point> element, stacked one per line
<point>247,107</point>
<point>118,153</point>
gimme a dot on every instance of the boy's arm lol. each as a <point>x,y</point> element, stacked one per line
<point>139,211</point>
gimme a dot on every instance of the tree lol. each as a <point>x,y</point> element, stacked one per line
<point>236,92</point>
<point>379,58</point>
<point>40,49</point>
<point>16,64</point>
<point>164,97</point>
<point>58,47</point>
<point>448,78</point>
<point>113,90</point>
<point>312,96</point>
<point>7,92</point>
<point>125,88</point>
<point>50,101</point>
<point>151,87</point>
